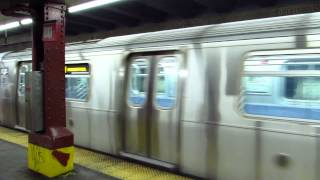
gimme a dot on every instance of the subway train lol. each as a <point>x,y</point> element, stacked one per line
<point>231,101</point>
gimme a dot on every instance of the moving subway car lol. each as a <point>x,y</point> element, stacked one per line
<point>229,101</point>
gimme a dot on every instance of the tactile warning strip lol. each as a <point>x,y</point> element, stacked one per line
<point>100,162</point>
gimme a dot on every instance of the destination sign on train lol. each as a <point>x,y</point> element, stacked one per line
<point>77,69</point>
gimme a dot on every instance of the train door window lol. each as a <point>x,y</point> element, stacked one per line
<point>166,82</point>
<point>138,82</point>
<point>4,74</point>
<point>22,79</point>
<point>77,82</point>
<point>282,86</point>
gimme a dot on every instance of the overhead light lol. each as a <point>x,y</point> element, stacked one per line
<point>89,5</point>
<point>11,25</point>
<point>26,21</point>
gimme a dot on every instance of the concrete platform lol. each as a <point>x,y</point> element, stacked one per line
<point>13,166</point>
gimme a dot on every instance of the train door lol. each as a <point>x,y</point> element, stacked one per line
<point>22,100</point>
<point>152,109</point>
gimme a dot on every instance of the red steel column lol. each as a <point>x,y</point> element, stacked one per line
<point>49,58</point>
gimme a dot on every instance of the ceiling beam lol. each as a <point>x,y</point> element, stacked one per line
<point>71,32</point>
<point>267,2</point>
<point>79,27</point>
<point>176,8</point>
<point>120,18</point>
<point>100,19</point>
<point>138,11</point>
<point>219,5</point>
<point>90,22</point>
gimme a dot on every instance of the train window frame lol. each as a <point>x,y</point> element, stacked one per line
<point>86,74</point>
<point>128,88</point>
<point>155,85</point>
<point>275,53</point>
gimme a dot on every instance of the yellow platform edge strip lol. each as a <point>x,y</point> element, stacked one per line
<point>102,163</point>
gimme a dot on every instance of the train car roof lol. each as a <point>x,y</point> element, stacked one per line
<point>203,33</point>
<point>248,29</point>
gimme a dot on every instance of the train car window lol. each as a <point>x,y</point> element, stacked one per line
<point>138,82</point>
<point>77,88</point>
<point>302,88</point>
<point>282,87</point>
<point>166,83</point>
<point>77,81</point>
<point>258,85</point>
<point>4,74</point>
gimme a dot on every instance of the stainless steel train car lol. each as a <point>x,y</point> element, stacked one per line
<point>232,101</point>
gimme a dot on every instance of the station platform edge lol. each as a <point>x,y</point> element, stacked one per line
<point>99,162</point>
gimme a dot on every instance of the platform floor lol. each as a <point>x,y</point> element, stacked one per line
<point>88,163</point>
<point>13,166</point>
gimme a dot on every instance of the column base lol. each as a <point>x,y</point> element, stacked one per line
<point>51,153</point>
<point>50,163</point>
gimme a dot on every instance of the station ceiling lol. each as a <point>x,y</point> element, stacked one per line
<point>127,14</point>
